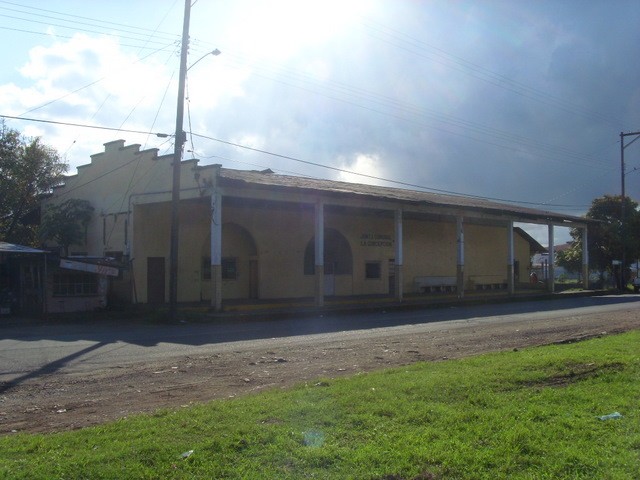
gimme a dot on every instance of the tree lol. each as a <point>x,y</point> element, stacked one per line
<point>28,170</point>
<point>66,223</point>
<point>570,258</point>
<point>605,238</point>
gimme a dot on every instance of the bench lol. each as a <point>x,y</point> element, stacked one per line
<point>487,282</point>
<point>440,284</point>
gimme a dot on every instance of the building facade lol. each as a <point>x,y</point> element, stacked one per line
<point>251,235</point>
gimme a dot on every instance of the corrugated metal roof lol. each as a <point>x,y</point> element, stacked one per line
<point>13,248</point>
<point>269,179</point>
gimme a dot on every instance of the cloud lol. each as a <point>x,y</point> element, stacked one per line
<point>370,165</point>
<point>89,80</point>
<point>518,101</point>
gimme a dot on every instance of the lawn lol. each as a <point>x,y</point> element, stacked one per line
<point>530,414</point>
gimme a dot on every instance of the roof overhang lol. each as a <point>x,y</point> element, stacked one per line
<point>284,188</point>
<point>12,248</point>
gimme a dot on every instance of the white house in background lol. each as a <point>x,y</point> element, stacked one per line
<point>540,265</point>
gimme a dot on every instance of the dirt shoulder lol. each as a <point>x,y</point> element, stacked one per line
<point>62,401</point>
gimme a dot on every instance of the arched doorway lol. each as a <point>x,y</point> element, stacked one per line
<point>240,274</point>
<point>338,259</point>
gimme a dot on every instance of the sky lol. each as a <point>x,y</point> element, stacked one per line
<point>518,101</point>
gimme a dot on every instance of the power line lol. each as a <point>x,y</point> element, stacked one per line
<point>75,28</point>
<point>419,115</point>
<point>596,178</point>
<point>88,85</point>
<point>93,22</point>
<point>408,107</point>
<point>365,175</point>
<point>131,178</point>
<point>66,37</point>
<point>478,71</point>
<point>263,167</point>
<point>285,157</point>
<point>82,125</point>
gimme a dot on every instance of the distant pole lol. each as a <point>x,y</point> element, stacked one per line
<point>180,138</point>
<point>623,208</point>
<point>622,213</point>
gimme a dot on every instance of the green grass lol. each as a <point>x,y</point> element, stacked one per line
<point>529,414</point>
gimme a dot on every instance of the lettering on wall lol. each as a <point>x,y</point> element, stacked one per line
<point>375,240</point>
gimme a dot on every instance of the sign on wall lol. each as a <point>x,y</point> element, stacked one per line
<point>376,240</point>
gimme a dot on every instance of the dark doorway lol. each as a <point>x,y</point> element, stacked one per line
<point>155,280</point>
<point>253,279</point>
<point>392,277</point>
<point>337,254</point>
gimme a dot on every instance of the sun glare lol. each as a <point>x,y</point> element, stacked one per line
<point>282,28</point>
<point>370,165</point>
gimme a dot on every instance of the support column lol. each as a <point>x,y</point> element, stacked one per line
<point>460,256</point>
<point>319,253</point>
<point>585,259</point>
<point>399,261</point>
<point>216,251</point>
<point>511,282</point>
<point>552,261</point>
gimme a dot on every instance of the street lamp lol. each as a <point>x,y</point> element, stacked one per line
<point>214,52</point>
<point>180,139</point>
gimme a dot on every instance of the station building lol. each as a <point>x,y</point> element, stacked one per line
<point>256,235</point>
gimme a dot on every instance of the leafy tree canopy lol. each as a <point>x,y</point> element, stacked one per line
<point>605,238</point>
<point>28,170</point>
<point>66,223</point>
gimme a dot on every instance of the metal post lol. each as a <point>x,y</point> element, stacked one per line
<point>399,261</point>
<point>179,140</point>
<point>623,208</point>
<point>622,213</point>
<point>511,284</point>
<point>585,259</point>
<point>216,250</point>
<point>552,261</point>
<point>45,309</point>
<point>319,253</point>
<point>460,256</point>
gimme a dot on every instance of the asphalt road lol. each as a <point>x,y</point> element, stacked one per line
<point>33,350</point>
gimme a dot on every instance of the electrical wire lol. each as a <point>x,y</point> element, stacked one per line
<point>75,28</point>
<point>133,175</point>
<point>66,37</point>
<point>82,125</point>
<point>187,99</point>
<point>92,22</point>
<point>380,99</point>
<point>286,157</point>
<point>412,109</point>
<point>306,162</point>
<point>408,112</point>
<point>548,151</point>
<point>88,85</point>
<point>408,43</point>
<point>365,175</point>
<point>257,165</point>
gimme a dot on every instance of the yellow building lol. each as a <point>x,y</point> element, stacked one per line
<point>246,235</point>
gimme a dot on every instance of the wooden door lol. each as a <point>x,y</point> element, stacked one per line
<point>155,280</point>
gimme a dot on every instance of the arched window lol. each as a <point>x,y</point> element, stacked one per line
<point>337,254</point>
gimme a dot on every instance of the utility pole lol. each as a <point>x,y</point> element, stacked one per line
<point>622,208</point>
<point>180,138</point>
